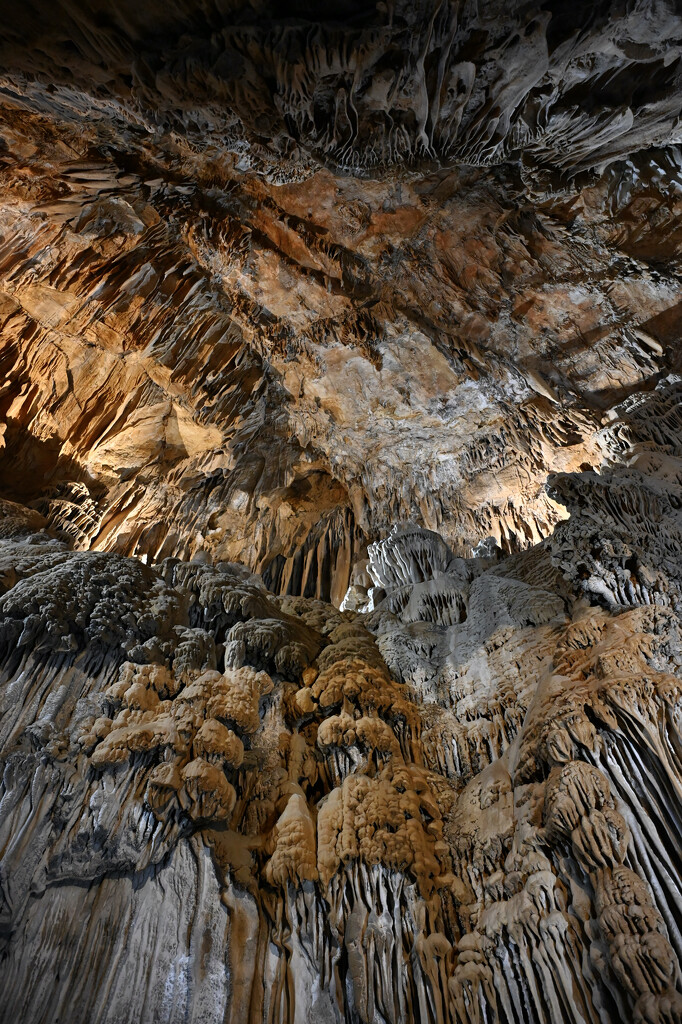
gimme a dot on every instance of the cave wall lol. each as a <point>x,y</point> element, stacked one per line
<point>461,805</point>
<point>340,513</point>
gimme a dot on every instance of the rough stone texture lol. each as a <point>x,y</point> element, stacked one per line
<point>196,358</point>
<point>222,805</point>
<point>340,513</point>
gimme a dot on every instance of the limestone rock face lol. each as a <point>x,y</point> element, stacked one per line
<point>340,513</point>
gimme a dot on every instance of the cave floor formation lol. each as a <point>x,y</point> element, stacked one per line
<point>341,512</point>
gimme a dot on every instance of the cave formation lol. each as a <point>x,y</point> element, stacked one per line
<point>340,512</point>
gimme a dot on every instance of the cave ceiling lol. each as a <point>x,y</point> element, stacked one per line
<point>272,283</point>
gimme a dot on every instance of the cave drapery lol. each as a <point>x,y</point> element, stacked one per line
<point>340,512</point>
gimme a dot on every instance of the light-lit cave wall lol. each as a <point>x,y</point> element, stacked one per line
<point>340,512</point>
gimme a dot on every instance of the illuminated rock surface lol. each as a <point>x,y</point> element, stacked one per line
<point>340,513</point>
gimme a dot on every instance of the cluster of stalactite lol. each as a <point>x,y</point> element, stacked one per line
<point>197,360</point>
<point>359,87</point>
